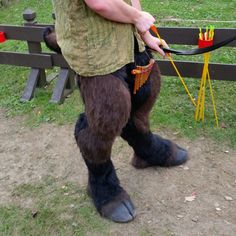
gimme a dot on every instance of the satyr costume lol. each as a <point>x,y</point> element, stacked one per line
<point>104,53</point>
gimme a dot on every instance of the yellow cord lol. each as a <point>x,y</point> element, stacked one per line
<point>177,71</point>
<point>200,106</point>
<point>199,112</point>
<point>213,100</point>
<point>198,100</point>
<point>182,80</point>
<point>206,60</point>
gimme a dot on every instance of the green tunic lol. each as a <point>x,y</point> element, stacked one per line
<point>91,44</point>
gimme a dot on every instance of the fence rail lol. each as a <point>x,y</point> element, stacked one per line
<point>38,60</point>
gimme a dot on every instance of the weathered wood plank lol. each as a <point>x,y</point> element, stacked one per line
<point>173,35</point>
<point>64,86</point>
<point>27,60</point>
<point>24,33</point>
<point>31,84</point>
<point>59,60</point>
<point>194,70</point>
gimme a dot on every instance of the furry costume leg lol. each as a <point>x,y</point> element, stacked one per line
<point>107,111</point>
<point>150,149</point>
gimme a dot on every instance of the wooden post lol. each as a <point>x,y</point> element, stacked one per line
<point>64,86</point>
<point>65,83</point>
<point>37,77</point>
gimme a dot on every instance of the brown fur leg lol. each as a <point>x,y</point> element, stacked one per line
<point>141,116</point>
<point>150,149</point>
<point>107,104</point>
<point>107,108</point>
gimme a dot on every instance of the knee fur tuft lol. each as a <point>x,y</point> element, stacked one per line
<point>50,39</point>
<point>81,123</point>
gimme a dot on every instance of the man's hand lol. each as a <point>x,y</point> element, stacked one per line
<point>154,43</point>
<point>144,21</point>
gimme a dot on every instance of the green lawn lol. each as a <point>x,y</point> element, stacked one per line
<point>56,210</point>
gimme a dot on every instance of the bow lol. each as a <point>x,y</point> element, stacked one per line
<point>195,51</point>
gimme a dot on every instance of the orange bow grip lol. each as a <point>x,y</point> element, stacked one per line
<point>154,29</point>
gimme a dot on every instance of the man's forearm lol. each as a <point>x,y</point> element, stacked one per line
<point>116,10</point>
<point>136,4</point>
<point>120,11</point>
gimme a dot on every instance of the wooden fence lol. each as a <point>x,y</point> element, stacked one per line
<point>39,61</point>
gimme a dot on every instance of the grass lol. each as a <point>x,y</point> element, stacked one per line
<point>191,12</point>
<point>173,110</point>
<point>55,209</point>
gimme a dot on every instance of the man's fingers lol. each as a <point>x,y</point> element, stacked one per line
<point>145,21</point>
<point>159,50</point>
<point>163,44</point>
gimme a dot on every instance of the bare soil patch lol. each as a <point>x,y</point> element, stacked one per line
<point>208,178</point>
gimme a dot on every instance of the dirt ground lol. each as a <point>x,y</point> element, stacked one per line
<point>198,198</point>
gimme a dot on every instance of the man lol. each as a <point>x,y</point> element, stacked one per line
<point>103,41</point>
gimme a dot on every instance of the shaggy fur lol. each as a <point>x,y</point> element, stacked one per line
<point>104,185</point>
<point>107,109</point>
<point>81,124</point>
<point>106,119</point>
<point>105,190</point>
<point>93,148</point>
<point>149,147</point>
<point>106,115</point>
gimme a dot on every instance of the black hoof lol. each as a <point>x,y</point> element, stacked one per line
<point>181,156</point>
<point>121,213</point>
<point>110,199</point>
<point>177,157</point>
